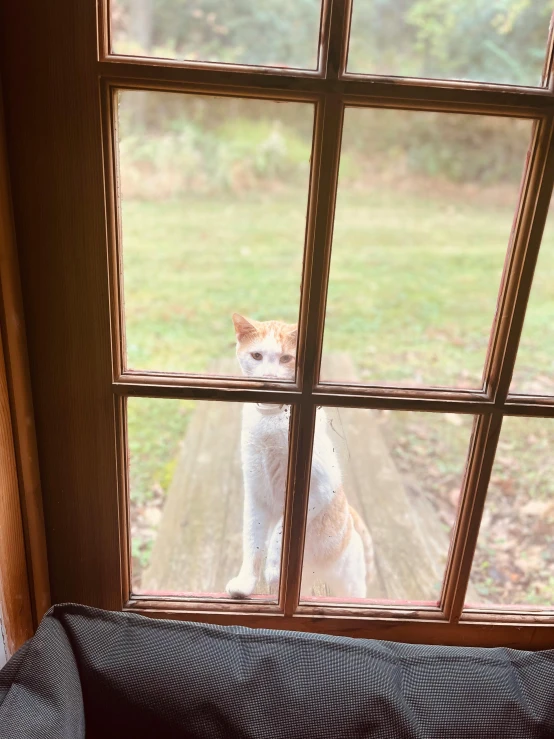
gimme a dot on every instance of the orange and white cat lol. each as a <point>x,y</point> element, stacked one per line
<point>338,549</point>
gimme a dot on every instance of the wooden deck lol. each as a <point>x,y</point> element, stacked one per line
<point>198,547</point>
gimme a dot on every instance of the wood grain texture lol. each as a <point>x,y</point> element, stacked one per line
<point>15,604</point>
<point>394,628</point>
<point>3,649</point>
<point>48,55</point>
<point>385,398</point>
<point>199,543</point>
<point>17,370</point>
<point>392,91</point>
<point>16,612</point>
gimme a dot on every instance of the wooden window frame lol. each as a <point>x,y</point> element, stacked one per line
<point>84,463</point>
<point>331,90</point>
<point>24,585</point>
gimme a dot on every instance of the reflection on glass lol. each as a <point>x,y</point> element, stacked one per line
<point>383,499</point>
<point>514,559</point>
<point>207,491</point>
<point>213,208</point>
<point>534,370</point>
<point>274,33</point>
<point>501,41</point>
<point>424,210</point>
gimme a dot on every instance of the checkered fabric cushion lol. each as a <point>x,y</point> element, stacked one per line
<point>94,673</point>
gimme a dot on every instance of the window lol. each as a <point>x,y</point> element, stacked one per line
<point>455,39</point>
<point>398,222</point>
<point>246,162</point>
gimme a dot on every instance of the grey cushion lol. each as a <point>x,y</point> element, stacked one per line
<point>102,674</point>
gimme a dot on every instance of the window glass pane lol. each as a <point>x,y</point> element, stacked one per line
<point>383,499</point>
<point>187,494</point>
<point>500,41</point>
<point>514,559</point>
<point>534,370</point>
<point>274,33</point>
<point>424,211</point>
<point>213,209</point>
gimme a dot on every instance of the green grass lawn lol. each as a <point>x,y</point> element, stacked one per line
<point>412,295</point>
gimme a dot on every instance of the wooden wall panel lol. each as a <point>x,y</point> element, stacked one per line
<point>15,606</point>
<point>17,614</point>
<point>12,325</point>
<point>48,56</point>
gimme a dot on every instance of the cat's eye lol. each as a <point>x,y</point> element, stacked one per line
<point>286,358</point>
<point>256,355</point>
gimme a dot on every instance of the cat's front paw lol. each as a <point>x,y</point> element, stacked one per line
<point>241,587</point>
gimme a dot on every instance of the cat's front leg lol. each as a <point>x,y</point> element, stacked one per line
<point>255,528</point>
<point>273,562</point>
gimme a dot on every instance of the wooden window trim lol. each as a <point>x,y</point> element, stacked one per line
<point>24,583</point>
<point>16,624</point>
<point>81,72</point>
<point>330,89</point>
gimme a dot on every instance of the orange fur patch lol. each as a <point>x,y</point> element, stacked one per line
<point>361,528</point>
<point>248,331</point>
<point>333,526</point>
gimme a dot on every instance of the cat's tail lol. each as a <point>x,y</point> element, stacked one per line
<point>369,553</point>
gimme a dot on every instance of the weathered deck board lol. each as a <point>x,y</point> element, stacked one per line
<point>199,548</point>
<point>409,566</point>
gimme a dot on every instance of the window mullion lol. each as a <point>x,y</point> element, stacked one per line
<point>548,71</point>
<point>474,491</point>
<point>334,43</point>
<point>325,163</point>
<point>527,232</point>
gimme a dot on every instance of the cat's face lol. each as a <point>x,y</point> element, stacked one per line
<point>266,348</point>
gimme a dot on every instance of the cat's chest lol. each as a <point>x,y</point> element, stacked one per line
<point>266,430</point>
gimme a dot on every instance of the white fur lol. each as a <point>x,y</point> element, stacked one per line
<point>270,366</point>
<point>264,447</point>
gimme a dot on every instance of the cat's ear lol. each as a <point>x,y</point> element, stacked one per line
<point>243,327</point>
<point>293,333</point>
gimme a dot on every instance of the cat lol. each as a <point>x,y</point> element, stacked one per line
<point>339,548</point>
